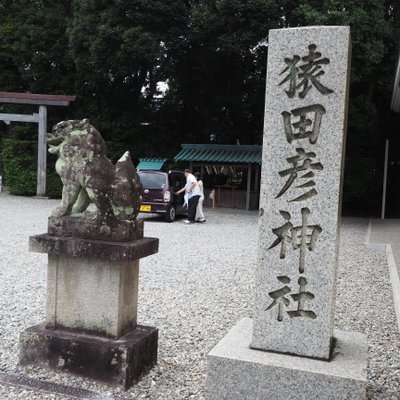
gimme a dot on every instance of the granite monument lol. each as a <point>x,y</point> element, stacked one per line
<point>302,356</point>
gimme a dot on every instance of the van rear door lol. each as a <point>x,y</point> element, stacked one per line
<point>154,185</point>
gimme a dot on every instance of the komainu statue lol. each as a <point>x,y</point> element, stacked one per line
<point>89,176</point>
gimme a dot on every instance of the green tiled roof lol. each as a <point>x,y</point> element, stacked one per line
<point>220,153</point>
<point>150,163</point>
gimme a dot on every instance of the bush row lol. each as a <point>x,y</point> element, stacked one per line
<point>19,168</point>
<point>18,162</point>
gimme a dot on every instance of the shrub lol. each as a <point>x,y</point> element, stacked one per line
<point>19,166</point>
<point>19,161</point>
<point>53,181</point>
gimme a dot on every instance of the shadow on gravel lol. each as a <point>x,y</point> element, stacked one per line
<point>160,218</point>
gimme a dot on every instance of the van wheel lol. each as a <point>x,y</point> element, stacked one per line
<point>170,214</point>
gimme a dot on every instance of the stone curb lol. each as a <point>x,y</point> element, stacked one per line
<point>394,277</point>
<point>51,387</point>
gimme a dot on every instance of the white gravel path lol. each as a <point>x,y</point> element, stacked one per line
<point>194,290</point>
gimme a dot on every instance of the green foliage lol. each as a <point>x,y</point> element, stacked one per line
<point>369,28</point>
<point>115,150</point>
<point>23,131</point>
<point>53,184</point>
<point>220,76</point>
<point>212,53</point>
<point>362,186</point>
<point>19,163</point>
<point>34,52</point>
<point>121,50</point>
<point>374,31</point>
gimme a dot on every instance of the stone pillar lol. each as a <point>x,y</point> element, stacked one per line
<point>92,290</point>
<point>303,154</point>
<point>300,204</point>
<point>42,155</point>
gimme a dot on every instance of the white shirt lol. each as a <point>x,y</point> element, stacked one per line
<point>200,184</point>
<point>189,181</point>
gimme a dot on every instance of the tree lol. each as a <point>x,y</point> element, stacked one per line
<point>34,55</point>
<point>212,53</point>
<point>373,57</point>
<point>121,49</point>
<point>374,43</point>
<point>34,46</point>
<point>219,74</point>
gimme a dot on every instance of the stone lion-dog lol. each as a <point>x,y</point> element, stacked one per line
<point>89,176</point>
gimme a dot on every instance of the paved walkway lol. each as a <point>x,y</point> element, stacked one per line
<point>384,235</point>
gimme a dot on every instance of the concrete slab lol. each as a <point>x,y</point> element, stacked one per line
<point>238,372</point>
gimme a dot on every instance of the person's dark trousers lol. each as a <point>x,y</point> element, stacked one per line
<point>192,208</point>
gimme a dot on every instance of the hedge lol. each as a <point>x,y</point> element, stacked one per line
<point>19,161</point>
<point>18,158</point>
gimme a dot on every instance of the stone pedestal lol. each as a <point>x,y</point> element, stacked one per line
<point>120,361</point>
<point>92,291</point>
<point>237,372</point>
<point>92,296</point>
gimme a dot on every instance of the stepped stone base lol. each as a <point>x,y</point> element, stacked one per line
<point>90,248</point>
<point>110,229</point>
<point>237,372</point>
<point>118,362</point>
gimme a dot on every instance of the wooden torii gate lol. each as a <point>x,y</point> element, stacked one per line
<point>41,100</point>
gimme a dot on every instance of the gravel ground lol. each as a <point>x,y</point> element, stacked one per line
<point>194,290</point>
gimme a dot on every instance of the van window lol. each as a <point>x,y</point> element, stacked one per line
<point>152,181</point>
<point>175,181</point>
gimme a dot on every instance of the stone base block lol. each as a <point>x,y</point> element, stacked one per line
<point>237,372</point>
<point>92,296</point>
<point>117,362</point>
<point>90,248</point>
<point>93,228</point>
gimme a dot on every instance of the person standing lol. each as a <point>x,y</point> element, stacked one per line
<point>193,193</point>
<point>199,209</point>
